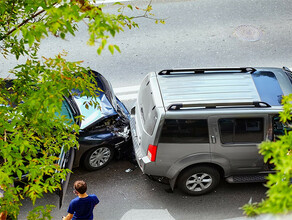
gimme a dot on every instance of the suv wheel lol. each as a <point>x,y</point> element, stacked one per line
<point>199,180</point>
<point>98,158</point>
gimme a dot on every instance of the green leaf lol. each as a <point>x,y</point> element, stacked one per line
<point>62,35</point>
<point>130,7</point>
<point>99,50</point>
<point>19,174</point>
<point>111,48</point>
<point>118,3</point>
<point>21,148</point>
<point>117,48</point>
<point>103,42</point>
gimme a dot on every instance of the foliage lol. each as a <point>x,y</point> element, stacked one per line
<point>31,133</point>
<point>40,213</point>
<point>279,194</point>
<point>36,19</point>
<point>32,130</point>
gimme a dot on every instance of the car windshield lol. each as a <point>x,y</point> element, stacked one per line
<point>109,92</point>
<point>91,113</point>
<point>105,89</point>
<point>67,112</point>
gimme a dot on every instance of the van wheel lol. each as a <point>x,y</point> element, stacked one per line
<point>98,158</point>
<point>198,180</point>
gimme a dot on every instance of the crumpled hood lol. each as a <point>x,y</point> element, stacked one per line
<point>92,114</point>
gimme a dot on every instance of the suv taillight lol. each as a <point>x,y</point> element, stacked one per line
<point>152,149</point>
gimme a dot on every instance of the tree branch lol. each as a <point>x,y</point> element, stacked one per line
<point>146,16</point>
<point>5,139</point>
<point>149,4</point>
<point>8,21</point>
<point>23,23</point>
<point>26,21</point>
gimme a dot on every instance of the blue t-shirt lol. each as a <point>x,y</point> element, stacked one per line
<point>82,208</point>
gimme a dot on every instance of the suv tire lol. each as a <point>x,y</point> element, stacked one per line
<point>198,180</point>
<point>98,158</point>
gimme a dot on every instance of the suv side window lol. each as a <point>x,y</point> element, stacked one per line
<point>184,131</point>
<point>280,128</point>
<point>241,130</point>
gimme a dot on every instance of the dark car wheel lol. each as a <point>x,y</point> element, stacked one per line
<point>198,180</point>
<point>98,157</point>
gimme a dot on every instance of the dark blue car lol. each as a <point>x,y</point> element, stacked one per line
<point>104,130</point>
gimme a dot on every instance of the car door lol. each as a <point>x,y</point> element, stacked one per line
<point>183,142</point>
<point>66,162</point>
<point>235,140</point>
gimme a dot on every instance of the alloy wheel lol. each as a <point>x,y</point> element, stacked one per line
<point>99,157</point>
<point>199,182</point>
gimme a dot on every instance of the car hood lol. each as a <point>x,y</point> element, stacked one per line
<point>92,114</point>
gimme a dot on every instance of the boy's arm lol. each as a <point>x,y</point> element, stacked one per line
<point>68,217</point>
<point>3,215</point>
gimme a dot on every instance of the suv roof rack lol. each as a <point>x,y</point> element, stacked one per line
<point>204,70</point>
<point>214,105</point>
<point>288,72</point>
<point>286,69</point>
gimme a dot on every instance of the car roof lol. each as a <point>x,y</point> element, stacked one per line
<point>201,87</point>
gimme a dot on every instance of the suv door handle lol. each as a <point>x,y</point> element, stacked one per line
<point>213,139</point>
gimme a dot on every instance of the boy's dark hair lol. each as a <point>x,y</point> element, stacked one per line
<point>80,186</point>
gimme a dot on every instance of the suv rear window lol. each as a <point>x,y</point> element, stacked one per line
<point>147,107</point>
<point>241,130</point>
<point>268,87</point>
<point>184,131</point>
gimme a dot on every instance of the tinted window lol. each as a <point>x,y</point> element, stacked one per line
<point>268,87</point>
<point>66,111</point>
<point>241,130</point>
<point>147,107</point>
<point>184,131</point>
<point>280,128</point>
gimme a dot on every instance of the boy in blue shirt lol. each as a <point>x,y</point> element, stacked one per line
<point>82,206</point>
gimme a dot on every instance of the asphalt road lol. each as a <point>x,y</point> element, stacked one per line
<point>122,192</point>
<point>197,33</point>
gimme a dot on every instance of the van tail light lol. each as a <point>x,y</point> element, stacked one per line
<point>152,149</point>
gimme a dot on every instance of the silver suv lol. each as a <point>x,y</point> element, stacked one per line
<point>196,126</point>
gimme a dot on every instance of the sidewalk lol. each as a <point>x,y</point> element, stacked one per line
<point>265,217</point>
<point>163,214</point>
<point>146,214</point>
